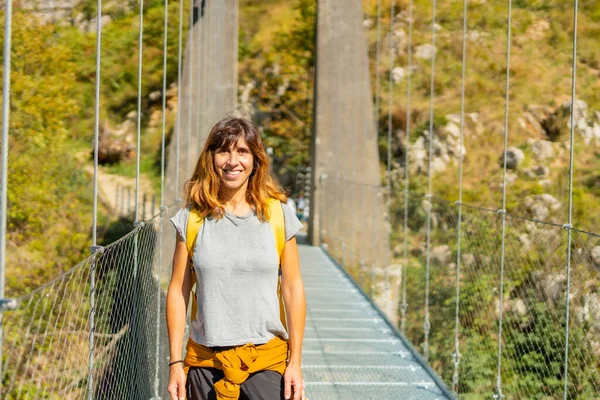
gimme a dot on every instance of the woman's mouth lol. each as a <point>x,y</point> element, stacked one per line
<point>232,174</point>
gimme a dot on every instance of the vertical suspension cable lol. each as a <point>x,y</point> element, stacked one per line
<point>390,105</point>
<point>199,78</point>
<point>4,152</point>
<point>191,91</point>
<point>426,323</point>
<point>162,200</point>
<point>456,355</point>
<point>502,211</point>
<point>164,106</point>
<point>390,139</point>
<point>404,305</point>
<point>569,224</point>
<point>179,89</point>
<point>95,247</point>
<point>139,113</point>
<point>137,223</point>
<point>377,62</point>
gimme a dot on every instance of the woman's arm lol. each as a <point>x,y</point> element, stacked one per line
<point>177,301</point>
<point>292,289</point>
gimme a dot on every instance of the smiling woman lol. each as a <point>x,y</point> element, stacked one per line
<point>236,242</point>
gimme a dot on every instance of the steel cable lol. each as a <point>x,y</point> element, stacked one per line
<point>404,305</point>
<point>179,108</point>
<point>502,211</point>
<point>569,224</point>
<point>4,155</point>
<point>427,323</point>
<point>456,355</point>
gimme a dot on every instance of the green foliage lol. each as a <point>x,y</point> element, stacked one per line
<point>281,67</point>
<point>48,199</point>
<point>52,83</point>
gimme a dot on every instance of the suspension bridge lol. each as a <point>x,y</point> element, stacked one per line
<point>410,294</point>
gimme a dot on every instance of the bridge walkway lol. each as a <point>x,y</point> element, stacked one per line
<point>350,350</point>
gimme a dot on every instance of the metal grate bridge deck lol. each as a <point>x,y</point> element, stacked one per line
<point>350,351</point>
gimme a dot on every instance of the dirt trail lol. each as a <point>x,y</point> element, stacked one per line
<point>117,193</point>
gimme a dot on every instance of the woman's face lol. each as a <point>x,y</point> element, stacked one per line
<point>234,165</point>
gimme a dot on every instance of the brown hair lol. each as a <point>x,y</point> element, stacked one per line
<point>202,189</point>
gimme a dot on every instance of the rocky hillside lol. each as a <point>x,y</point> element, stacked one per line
<point>539,102</point>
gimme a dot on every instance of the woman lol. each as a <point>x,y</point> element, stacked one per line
<point>239,346</point>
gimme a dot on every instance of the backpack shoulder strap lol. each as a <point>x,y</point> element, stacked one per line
<point>194,222</point>
<point>277,223</point>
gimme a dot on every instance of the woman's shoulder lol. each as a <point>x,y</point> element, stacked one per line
<point>180,219</point>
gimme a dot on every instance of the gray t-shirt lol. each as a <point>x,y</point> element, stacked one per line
<point>237,268</point>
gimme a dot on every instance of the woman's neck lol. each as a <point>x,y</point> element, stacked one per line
<point>236,202</point>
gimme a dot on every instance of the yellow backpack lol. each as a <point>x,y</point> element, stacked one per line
<point>277,223</point>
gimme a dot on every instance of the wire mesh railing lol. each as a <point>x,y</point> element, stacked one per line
<point>533,307</point>
<point>47,337</point>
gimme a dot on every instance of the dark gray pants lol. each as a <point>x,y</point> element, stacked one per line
<point>262,385</point>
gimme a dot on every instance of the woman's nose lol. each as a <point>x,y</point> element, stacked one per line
<point>233,158</point>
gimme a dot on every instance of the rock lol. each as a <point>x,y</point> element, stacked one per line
<point>548,200</point>
<point>441,254</point>
<point>172,91</point>
<point>419,154</point>
<point>538,171</point>
<point>426,204</point>
<point>517,306</point>
<point>511,178</point>
<point>514,158</point>
<point>474,36</point>
<point>468,259</point>
<point>539,212</point>
<point>399,42</point>
<point>550,286</point>
<point>537,31</point>
<point>525,241</point>
<point>595,256</point>
<point>398,74</point>
<point>541,205</point>
<point>416,251</point>
<point>92,24</point>
<point>155,96</point>
<point>542,149</point>
<point>115,145</point>
<point>438,165</point>
<point>593,305</point>
<point>425,51</point>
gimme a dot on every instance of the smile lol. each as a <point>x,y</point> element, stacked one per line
<point>232,174</point>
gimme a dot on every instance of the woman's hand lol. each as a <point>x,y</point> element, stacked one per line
<point>176,386</point>
<point>294,384</point>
